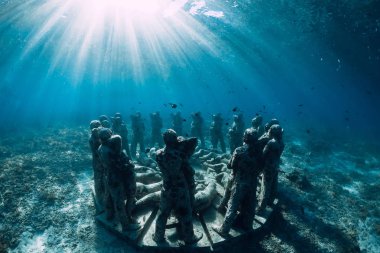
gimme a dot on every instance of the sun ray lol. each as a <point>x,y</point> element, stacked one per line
<point>101,40</point>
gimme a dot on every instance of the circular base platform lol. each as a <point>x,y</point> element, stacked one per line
<point>203,222</point>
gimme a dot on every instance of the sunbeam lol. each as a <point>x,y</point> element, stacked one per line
<point>117,39</point>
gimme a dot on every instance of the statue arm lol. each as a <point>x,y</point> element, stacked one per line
<point>233,163</point>
<point>269,147</point>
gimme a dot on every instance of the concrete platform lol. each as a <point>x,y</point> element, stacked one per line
<point>211,240</point>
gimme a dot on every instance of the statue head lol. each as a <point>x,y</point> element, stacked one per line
<point>105,134</point>
<point>250,136</point>
<point>271,123</point>
<point>257,121</point>
<point>95,124</point>
<point>276,131</point>
<point>170,137</point>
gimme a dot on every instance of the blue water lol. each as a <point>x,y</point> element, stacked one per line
<point>312,64</point>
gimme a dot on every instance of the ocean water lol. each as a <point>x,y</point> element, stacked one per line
<point>314,65</point>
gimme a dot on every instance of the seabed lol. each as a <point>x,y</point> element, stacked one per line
<point>328,199</point>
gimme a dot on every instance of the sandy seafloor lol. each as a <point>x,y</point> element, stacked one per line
<point>329,190</point>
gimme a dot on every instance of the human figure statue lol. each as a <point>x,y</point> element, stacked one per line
<point>257,124</point>
<point>120,128</point>
<point>105,121</point>
<point>120,180</point>
<point>138,129</point>
<point>187,147</point>
<point>156,122</point>
<point>197,127</point>
<point>264,138</point>
<point>175,191</point>
<point>271,161</point>
<point>235,133</point>
<point>103,117</point>
<point>177,123</point>
<point>216,132</point>
<point>98,170</point>
<point>272,122</point>
<point>222,207</point>
<point>245,170</point>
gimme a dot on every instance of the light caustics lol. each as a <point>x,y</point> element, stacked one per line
<point>104,37</point>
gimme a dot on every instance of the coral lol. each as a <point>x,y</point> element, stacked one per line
<point>368,234</point>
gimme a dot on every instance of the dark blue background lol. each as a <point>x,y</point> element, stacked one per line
<point>312,64</point>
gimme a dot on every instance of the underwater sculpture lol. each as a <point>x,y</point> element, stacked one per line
<point>209,155</point>
<point>245,171</point>
<point>187,148</point>
<point>235,133</point>
<point>120,181</point>
<point>197,127</point>
<point>177,123</point>
<point>98,170</point>
<point>257,124</point>
<point>105,121</point>
<point>144,159</point>
<point>206,184</point>
<point>200,152</point>
<point>203,198</point>
<point>145,189</point>
<point>271,158</point>
<point>216,132</point>
<point>138,130</point>
<point>148,177</point>
<point>120,128</point>
<point>223,158</point>
<point>218,167</point>
<point>156,123</point>
<point>262,142</point>
<point>175,191</point>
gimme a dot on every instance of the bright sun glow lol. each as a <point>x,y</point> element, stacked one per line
<point>128,7</point>
<point>125,39</point>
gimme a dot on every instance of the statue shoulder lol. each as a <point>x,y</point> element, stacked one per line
<point>240,150</point>
<point>160,152</point>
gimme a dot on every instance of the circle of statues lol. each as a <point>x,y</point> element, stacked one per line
<point>163,175</point>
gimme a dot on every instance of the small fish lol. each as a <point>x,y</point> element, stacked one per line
<point>264,107</point>
<point>257,114</point>
<point>308,131</point>
<point>347,119</point>
<point>180,104</point>
<point>147,150</point>
<point>312,88</point>
<point>235,109</point>
<point>172,105</point>
<point>139,103</point>
<point>368,92</point>
<point>187,135</point>
<point>227,124</point>
<point>165,105</point>
<point>300,105</point>
<point>184,120</point>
